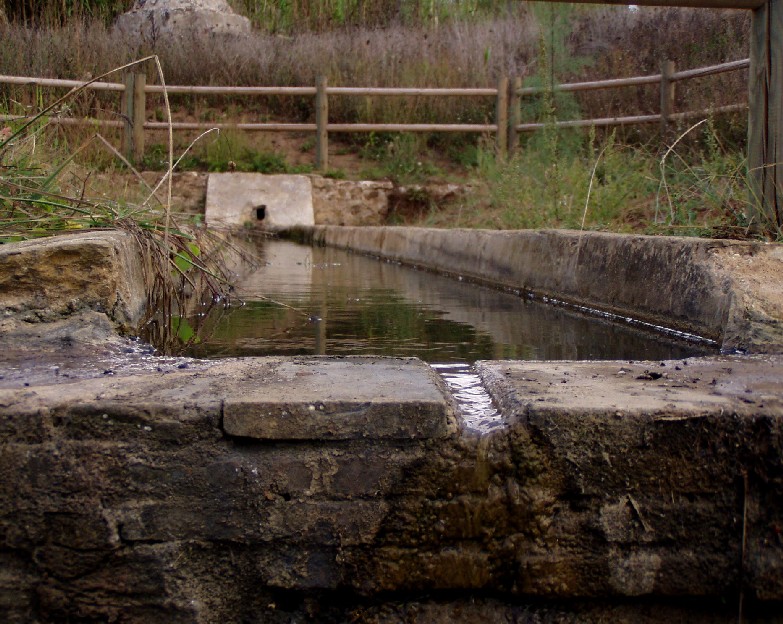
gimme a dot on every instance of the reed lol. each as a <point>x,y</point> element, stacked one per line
<point>58,12</point>
<point>289,16</point>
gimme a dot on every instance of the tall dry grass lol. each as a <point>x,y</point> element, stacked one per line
<point>274,15</point>
<point>613,42</point>
<point>58,12</point>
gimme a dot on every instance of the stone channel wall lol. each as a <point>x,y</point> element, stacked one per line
<point>727,291</point>
<point>343,490</point>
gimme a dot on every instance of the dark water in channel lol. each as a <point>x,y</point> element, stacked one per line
<point>306,300</point>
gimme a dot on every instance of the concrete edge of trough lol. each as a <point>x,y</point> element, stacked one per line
<point>725,291</point>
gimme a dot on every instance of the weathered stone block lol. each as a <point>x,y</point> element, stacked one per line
<point>343,400</point>
<point>48,278</point>
<point>345,202</point>
<point>150,20</point>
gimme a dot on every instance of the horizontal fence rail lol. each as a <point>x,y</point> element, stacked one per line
<point>633,120</point>
<point>54,82</point>
<point>506,127</point>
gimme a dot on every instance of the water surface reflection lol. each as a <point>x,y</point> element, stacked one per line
<point>320,300</point>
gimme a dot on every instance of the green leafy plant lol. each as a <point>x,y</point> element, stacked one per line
<point>401,157</point>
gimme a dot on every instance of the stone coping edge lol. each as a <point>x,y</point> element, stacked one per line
<point>47,279</point>
<point>257,399</point>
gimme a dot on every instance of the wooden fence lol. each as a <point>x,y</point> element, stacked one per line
<point>507,95</point>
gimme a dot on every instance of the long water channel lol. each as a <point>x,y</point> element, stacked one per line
<point>325,301</point>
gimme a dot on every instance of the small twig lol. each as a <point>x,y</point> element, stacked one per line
<point>171,150</point>
<point>744,546</point>
<point>638,511</point>
<point>127,163</point>
<point>590,186</point>
<point>168,173</point>
<point>67,96</point>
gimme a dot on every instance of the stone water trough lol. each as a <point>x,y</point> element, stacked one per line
<point>145,489</point>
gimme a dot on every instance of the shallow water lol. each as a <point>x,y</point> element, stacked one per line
<point>306,300</point>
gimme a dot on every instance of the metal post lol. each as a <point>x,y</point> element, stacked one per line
<point>322,122</point>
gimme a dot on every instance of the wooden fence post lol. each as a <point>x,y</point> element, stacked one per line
<point>501,119</point>
<point>667,94</point>
<point>765,121</point>
<point>514,115</point>
<point>133,111</point>
<point>321,121</point>
<point>139,116</point>
<point>126,110</point>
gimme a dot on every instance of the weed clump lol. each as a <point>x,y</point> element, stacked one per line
<point>42,193</point>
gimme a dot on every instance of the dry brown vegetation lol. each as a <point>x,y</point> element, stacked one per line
<point>604,42</point>
<point>538,42</point>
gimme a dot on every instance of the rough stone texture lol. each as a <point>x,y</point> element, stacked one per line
<point>272,201</point>
<point>726,291</point>
<point>149,490</point>
<point>152,20</point>
<point>126,498</point>
<point>344,202</point>
<point>47,279</point>
<point>654,454</point>
<point>414,201</point>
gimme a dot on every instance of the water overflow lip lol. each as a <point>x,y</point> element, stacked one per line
<point>477,410</point>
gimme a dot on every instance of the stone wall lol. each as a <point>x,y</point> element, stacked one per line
<point>344,202</point>
<point>343,489</point>
<point>186,496</point>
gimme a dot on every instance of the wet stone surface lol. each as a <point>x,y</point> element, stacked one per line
<point>80,347</point>
<point>684,388</point>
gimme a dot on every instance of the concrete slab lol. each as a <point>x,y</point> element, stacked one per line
<point>336,398</point>
<point>273,201</point>
<point>668,389</point>
<point>262,398</point>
